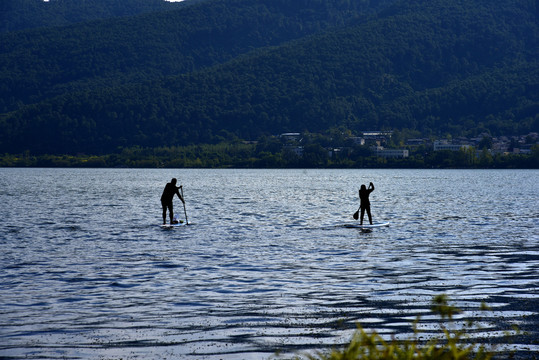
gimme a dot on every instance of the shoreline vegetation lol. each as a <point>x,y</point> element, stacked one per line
<point>273,156</point>
<point>456,341</point>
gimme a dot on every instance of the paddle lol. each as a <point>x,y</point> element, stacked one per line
<point>184,211</point>
<point>356,215</point>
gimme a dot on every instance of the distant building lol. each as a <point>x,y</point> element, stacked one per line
<point>445,145</point>
<point>298,150</point>
<point>377,134</point>
<point>500,146</point>
<point>358,140</point>
<point>377,137</point>
<point>339,151</point>
<point>290,136</point>
<point>390,153</point>
<point>524,149</point>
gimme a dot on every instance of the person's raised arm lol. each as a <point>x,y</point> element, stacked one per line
<point>371,186</point>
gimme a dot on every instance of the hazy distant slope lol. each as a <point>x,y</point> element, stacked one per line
<point>39,64</point>
<point>16,15</point>
<point>463,68</point>
<point>433,65</point>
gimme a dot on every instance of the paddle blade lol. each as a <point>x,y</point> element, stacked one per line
<point>356,215</point>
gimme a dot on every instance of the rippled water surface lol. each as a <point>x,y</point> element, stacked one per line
<point>267,263</point>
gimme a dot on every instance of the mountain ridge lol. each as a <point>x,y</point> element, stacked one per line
<point>39,63</point>
<point>425,65</point>
<point>19,15</point>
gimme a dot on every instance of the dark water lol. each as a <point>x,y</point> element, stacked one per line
<point>266,263</point>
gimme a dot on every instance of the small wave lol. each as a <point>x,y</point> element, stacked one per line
<point>167,265</point>
<point>120,285</point>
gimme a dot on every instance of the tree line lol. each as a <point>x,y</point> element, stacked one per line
<point>273,152</point>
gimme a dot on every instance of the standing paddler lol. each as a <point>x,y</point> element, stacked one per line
<point>166,200</point>
<point>365,204</point>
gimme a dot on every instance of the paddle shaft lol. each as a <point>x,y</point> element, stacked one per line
<point>184,211</point>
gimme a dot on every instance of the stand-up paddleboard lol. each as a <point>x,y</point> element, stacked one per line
<point>176,223</point>
<point>170,226</point>
<point>367,226</point>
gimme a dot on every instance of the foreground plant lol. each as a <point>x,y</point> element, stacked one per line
<point>371,346</point>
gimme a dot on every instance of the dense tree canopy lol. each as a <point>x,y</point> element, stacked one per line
<point>248,68</point>
<point>28,14</point>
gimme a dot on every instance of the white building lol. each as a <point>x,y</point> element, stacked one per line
<point>444,145</point>
<point>377,137</point>
<point>390,153</point>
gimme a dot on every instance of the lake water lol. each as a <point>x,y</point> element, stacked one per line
<point>266,265</point>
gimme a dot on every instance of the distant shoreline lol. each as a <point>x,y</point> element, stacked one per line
<point>103,162</point>
<point>274,154</point>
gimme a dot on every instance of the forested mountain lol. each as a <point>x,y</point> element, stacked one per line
<point>28,14</point>
<point>250,68</point>
<point>43,63</point>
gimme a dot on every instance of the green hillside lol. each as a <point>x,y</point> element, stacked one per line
<point>43,63</point>
<point>435,66</point>
<point>18,15</point>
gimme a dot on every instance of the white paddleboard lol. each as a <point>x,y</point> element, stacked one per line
<point>177,223</point>
<point>167,226</point>
<point>367,226</point>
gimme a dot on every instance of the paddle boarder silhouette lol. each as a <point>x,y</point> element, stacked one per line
<point>166,200</point>
<point>365,204</point>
